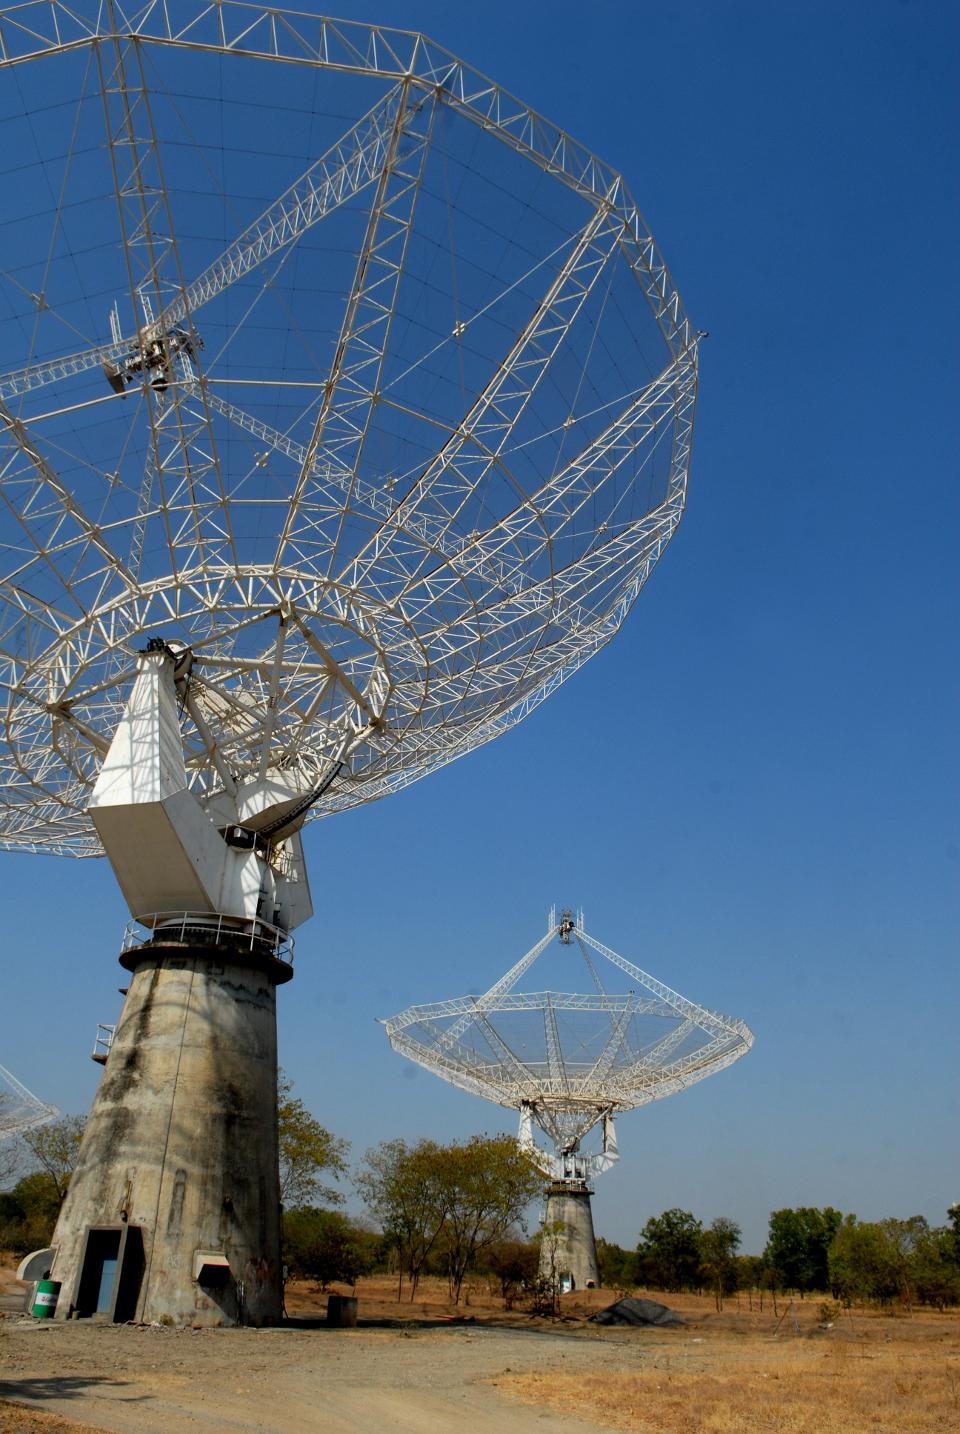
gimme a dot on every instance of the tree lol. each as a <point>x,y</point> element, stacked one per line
<point>864,1262</point>
<point>953,1215</point>
<point>28,1213</point>
<point>514,1263</point>
<point>616,1265</point>
<point>54,1147</point>
<point>455,1200</point>
<point>718,1256</point>
<point>669,1252</point>
<point>550,1239</point>
<point>894,1259</point>
<point>487,1183</point>
<point>324,1246</point>
<point>903,1238</point>
<point>753,1273</point>
<point>10,1157</point>
<point>306,1149</point>
<point>402,1187</point>
<point>797,1247</point>
<point>934,1271</point>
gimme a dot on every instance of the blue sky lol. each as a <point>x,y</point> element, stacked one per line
<point>753,791</point>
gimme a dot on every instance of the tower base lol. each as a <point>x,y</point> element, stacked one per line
<point>173,1211</point>
<point>568,1251</point>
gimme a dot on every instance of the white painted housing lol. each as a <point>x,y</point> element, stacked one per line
<point>166,846</point>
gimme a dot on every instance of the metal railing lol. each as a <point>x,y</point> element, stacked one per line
<point>103,1042</point>
<point>205,928</point>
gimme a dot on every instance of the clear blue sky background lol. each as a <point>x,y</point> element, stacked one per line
<point>753,790</point>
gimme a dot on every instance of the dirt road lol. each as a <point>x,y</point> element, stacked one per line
<point>298,1381</point>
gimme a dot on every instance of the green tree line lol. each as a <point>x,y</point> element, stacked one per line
<point>458,1209</point>
<point>808,1251</point>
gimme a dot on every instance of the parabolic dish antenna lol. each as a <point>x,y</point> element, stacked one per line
<point>20,1109</point>
<point>345,408</point>
<point>329,360</point>
<point>571,1062</point>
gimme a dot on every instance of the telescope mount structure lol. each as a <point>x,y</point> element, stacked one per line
<point>346,406</point>
<point>570,1064</point>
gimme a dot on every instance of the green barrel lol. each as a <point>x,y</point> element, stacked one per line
<point>45,1300</point>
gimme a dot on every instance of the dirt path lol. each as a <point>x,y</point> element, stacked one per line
<point>289,1381</point>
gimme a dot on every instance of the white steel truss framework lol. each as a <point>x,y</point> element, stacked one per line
<point>20,1109</point>
<point>329,359</point>
<point>569,1062</point>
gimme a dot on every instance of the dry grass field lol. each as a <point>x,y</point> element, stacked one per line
<point>794,1390</point>
<point>766,1372</point>
<point>743,1372</point>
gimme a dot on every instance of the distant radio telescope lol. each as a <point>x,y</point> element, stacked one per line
<point>345,408</point>
<point>20,1110</point>
<point>570,1064</point>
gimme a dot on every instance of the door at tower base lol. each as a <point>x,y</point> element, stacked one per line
<point>173,1212</point>
<point>111,1273</point>
<point>568,1249</point>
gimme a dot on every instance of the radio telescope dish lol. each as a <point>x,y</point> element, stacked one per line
<point>20,1109</point>
<point>353,375</point>
<point>345,407</point>
<point>570,1063</point>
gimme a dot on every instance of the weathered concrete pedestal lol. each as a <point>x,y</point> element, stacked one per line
<point>173,1212</point>
<point>568,1252</point>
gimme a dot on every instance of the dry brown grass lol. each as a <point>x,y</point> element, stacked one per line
<point>880,1375</point>
<point>15,1419</point>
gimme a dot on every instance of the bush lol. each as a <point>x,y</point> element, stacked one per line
<point>514,1265</point>
<point>323,1245</point>
<point>864,1263</point>
<point>617,1266</point>
<point>28,1213</point>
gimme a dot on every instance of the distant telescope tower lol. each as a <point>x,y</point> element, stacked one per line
<point>569,1064</point>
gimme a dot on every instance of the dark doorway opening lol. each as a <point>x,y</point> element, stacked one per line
<point>110,1272</point>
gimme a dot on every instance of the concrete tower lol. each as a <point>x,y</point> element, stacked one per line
<point>173,1213</point>
<point>568,1250</point>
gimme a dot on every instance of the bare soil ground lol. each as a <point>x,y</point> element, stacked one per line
<point>431,1368</point>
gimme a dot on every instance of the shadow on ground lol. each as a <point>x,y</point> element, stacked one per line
<point>467,1324</point>
<point>320,1322</point>
<point>36,1391</point>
